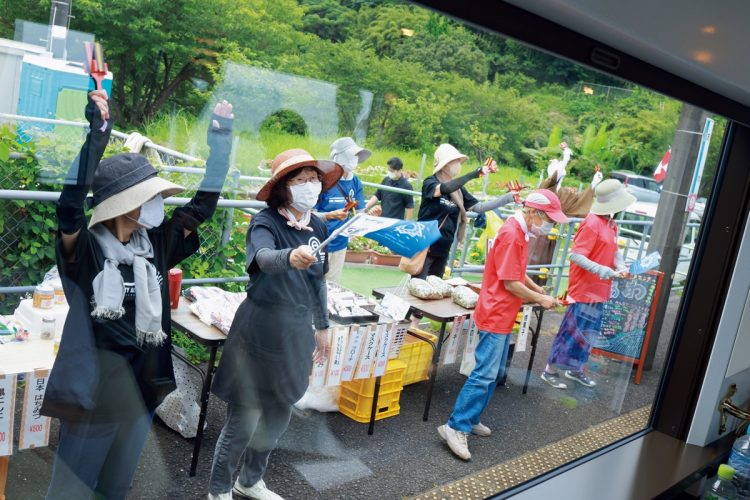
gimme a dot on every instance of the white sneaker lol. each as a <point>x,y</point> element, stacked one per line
<point>481,430</point>
<point>220,496</point>
<point>258,491</point>
<point>456,440</point>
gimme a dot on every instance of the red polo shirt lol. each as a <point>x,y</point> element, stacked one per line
<point>497,308</point>
<point>596,240</point>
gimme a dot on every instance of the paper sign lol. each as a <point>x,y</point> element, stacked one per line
<point>386,340</point>
<point>351,356</point>
<point>34,426</point>
<point>7,407</point>
<point>320,370</point>
<point>472,339</point>
<point>338,350</point>
<point>451,350</point>
<point>523,330</point>
<point>399,333</point>
<point>369,352</point>
<point>392,306</point>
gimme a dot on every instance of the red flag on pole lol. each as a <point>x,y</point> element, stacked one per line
<point>661,169</point>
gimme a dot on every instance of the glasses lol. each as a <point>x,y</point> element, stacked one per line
<point>298,181</point>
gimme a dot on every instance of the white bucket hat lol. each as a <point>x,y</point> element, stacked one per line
<point>124,182</point>
<point>444,154</point>
<point>610,197</point>
<point>347,145</point>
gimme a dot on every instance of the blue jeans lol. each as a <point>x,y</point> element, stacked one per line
<point>97,459</point>
<point>491,355</point>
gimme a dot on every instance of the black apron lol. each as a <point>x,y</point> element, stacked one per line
<point>268,353</point>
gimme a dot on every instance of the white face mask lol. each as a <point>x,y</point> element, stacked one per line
<point>453,169</point>
<point>305,196</point>
<point>152,213</point>
<point>542,230</point>
<point>393,176</point>
<point>348,162</point>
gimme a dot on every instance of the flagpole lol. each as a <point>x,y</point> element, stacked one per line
<point>335,234</point>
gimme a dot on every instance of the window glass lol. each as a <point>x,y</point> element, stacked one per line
<point>422,129</point>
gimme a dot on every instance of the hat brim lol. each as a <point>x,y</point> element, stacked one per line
<point>446,161</point>
<point>557,216</point>
<point>363,154</point>
<point>133,197</point>
<point>330,170</point>
<point>623,201</point>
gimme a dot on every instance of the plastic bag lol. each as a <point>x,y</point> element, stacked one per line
<point>323,399</point>
<point>445,288</point>
<point>465,297</point>
<point>423,290</point>
<point>180,409</point>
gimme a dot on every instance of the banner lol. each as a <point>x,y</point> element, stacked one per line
<point>700,163</point>
<point>356,334</point>
<point>468,361</point>
<point>338,350</point>
<point>387,332</point>
<point>523,330</point>
<point>34,426</point>
<point>320,370</point>
<point>449,356</point>
<point>369,352</point>
<point>7,407</point>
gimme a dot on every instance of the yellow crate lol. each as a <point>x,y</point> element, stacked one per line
<point>356,396</point>
<point>358,407</point>
<point>417,354</point>
<point>391,381</point>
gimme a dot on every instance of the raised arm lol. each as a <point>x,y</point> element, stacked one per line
<point>71,217</point>
<point>203,205</point>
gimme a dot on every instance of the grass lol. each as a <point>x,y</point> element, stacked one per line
<point>184,133</point>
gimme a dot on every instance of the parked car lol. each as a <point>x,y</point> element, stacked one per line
<point>642,187</point>
<point>634,247</point>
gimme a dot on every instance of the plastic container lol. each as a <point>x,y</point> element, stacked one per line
<point>175,285</point>
<point>44,297</point>
<point>47,332</point>
<point>739,459</point>
<point>417,354</point>
<point>720,486</point>
<point>356,396</point>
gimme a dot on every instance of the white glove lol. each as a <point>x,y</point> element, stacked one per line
<point>597,179</point>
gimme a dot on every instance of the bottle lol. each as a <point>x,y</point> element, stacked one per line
<point>720,487</point>
<point>47,331</point>
<point>739,459</point>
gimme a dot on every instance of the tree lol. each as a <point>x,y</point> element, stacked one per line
<point>328,19</point>
<point>156,48</point>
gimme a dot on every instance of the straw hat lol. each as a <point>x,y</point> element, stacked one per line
<point>610,197</point>
<point>444,154</point>
<point>294,159</point>
<point>124,182</point>
<point>548,202</point>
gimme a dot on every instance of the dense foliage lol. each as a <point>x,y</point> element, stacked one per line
<point>432,79</point>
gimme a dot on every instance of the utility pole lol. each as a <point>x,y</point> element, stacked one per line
<point>671,217</point>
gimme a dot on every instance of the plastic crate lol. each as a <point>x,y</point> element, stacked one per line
<point>417,354</point>
<point>356,396</point>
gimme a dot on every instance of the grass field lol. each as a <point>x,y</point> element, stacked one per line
<point>184,133</point>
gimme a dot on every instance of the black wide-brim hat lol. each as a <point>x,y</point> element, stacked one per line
<point>124,182</point>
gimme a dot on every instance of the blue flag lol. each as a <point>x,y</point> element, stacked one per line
<point>402,237</point>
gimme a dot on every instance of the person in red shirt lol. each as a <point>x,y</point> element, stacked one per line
<point>594,261</point>
<point>505,286</point>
